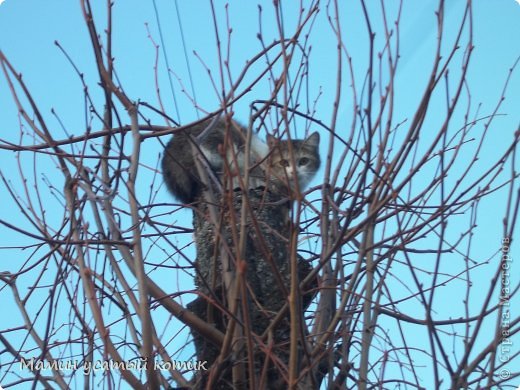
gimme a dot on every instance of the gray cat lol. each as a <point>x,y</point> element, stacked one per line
<point>271,165</point>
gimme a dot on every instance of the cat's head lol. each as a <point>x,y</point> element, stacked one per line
<point>298,160</point>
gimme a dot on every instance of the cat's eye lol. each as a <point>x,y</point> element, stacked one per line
<point>303,161</point>
<point>284,163</point>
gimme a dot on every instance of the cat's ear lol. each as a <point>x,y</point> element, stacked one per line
<point>313,139</point>
<point>271,141</point>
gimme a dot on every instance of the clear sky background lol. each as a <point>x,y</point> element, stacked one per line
<point>29,29</point>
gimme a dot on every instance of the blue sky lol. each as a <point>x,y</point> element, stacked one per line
<point>28,30</point>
